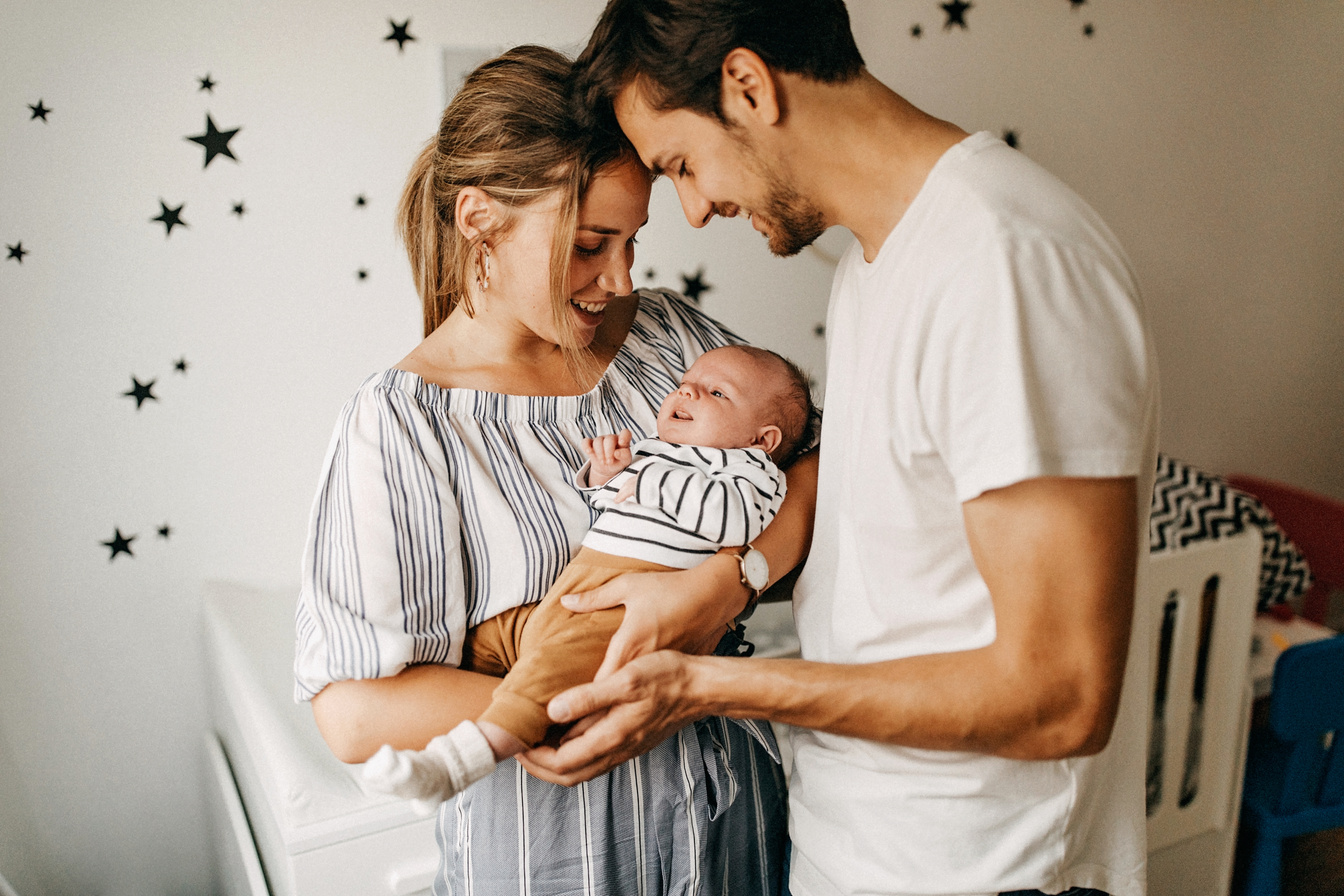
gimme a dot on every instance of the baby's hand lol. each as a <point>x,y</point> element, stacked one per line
<point>627,489</point>
<point>608,455</point>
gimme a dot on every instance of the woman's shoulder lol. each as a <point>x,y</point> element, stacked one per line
<point>667,317</point>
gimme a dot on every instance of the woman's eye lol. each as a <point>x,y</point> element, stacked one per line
<point>589,253</point>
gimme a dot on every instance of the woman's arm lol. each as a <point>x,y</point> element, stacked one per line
<point>406,710</point>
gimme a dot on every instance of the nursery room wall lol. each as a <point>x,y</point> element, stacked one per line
<point>196,205</point>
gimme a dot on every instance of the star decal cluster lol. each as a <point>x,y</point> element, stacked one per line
<point>215,142</point>
<point>955,12</point>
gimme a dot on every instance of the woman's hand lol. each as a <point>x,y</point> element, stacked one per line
<point>686,610</point>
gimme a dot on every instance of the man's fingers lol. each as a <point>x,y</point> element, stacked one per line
<point>603,597</point>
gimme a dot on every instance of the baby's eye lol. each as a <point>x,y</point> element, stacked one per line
<point>716,393</point>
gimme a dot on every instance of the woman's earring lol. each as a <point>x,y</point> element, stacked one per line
<point>483,268</point>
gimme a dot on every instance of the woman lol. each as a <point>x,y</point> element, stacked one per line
<point>446,498</point>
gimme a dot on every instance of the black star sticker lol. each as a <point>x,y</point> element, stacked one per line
<point>180,365</point>
<point>819,330</point>
<point>916,31</point>
<point>17,251</point>
<point>400,34</point>
<point>695,286</point>
<point>361,201</point>
<point>239,209</point>
<point>164,531</point>
<point>170,217</point>
<point>1074,4</point>
<point>141,392</point>
<point>120,544</point>
<point>1088,30</point>
<point>956,13</point>
<point>215,141</point>
<point>207,84</point>
<point>650,273</point>
<point>362,273</point>
<point>1010,137</point>
<point>39,111</point>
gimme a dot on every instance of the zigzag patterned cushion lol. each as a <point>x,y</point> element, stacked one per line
<point>1191,505</point>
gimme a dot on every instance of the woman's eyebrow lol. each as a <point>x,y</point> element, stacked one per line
<point>606,231</point>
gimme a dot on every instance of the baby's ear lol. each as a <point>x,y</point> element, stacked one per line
<point>768,437</point>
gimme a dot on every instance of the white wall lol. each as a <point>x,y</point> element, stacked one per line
<point>1206,132</point>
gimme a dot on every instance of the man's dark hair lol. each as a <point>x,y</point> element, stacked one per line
<point>675,48</point>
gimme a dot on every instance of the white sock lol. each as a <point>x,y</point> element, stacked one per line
<point>449,764</point>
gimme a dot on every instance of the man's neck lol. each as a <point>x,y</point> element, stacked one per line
<point>861,152</point>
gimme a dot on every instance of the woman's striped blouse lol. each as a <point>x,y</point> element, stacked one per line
<point>439,508</point>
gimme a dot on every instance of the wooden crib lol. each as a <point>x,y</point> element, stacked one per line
<point>1201,600</point>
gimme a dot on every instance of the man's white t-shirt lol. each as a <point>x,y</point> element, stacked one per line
<point>998,336</point>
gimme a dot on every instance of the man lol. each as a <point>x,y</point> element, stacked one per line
<point>986,462</point>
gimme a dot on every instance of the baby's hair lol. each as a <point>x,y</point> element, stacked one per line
<point>799,419</point>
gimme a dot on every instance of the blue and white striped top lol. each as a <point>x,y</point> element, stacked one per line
<point>689,501</point>
<point>439,508</point>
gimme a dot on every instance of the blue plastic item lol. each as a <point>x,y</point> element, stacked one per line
<point>1295,767</point>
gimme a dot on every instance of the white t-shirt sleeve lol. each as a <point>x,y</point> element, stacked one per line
<point>1023,374</point>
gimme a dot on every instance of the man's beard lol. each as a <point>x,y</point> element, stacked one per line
<point>791,222</point>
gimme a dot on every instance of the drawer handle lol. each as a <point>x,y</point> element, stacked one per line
<point>416,878</point>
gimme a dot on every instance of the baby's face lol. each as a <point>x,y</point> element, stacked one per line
<point>722,402</point>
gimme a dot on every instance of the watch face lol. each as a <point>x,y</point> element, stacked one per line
<point>755,569</point>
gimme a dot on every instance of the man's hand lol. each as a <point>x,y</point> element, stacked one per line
<point>607,456</point>
<point>686,610</point>
<point>621,716</point>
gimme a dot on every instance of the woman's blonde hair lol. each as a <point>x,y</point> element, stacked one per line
<point>508,132</point>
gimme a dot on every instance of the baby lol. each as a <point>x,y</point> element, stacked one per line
<point>710,479</point>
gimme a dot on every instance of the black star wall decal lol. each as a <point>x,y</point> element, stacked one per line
<point>361,201</point>
<point>141,392</point>
<point>696,285</point>
<point>1074,4</point>
<point>239,209</point>
<point>362,273</point>
<point>1010,137</point>
<point>650,273</point>
<point>1088,30</point>
<point>17,251</point>
<point>956,13</point>
<point>215,141</point>
<point>120,544</point>
<point>207,84</point>
<point>164,531</point>
<point>180,365</point>
<point>171,217</point>
<point>39,111</point>
<point>916,31</point>
<point>400,34</point>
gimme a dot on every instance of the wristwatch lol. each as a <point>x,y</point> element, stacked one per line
<point>755,575</point>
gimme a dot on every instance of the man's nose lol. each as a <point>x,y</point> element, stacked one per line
<point>698,209</point>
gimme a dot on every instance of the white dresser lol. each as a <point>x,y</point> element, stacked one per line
<point>303,827</point>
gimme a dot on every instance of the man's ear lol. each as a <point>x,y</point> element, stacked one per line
<point>475,212</point>
<point>768,437</point>
<point>748,89</point>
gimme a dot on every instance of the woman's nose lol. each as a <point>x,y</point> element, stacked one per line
<point>615,276</point>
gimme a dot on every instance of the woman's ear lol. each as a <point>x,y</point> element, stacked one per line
<point>475,212</point>
<point>748,90</point>
<point>768,437</point>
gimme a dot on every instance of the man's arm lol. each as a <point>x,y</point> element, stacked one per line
<point>1059,558</point>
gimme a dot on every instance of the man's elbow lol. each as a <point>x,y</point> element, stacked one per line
<point>1083,731</point>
